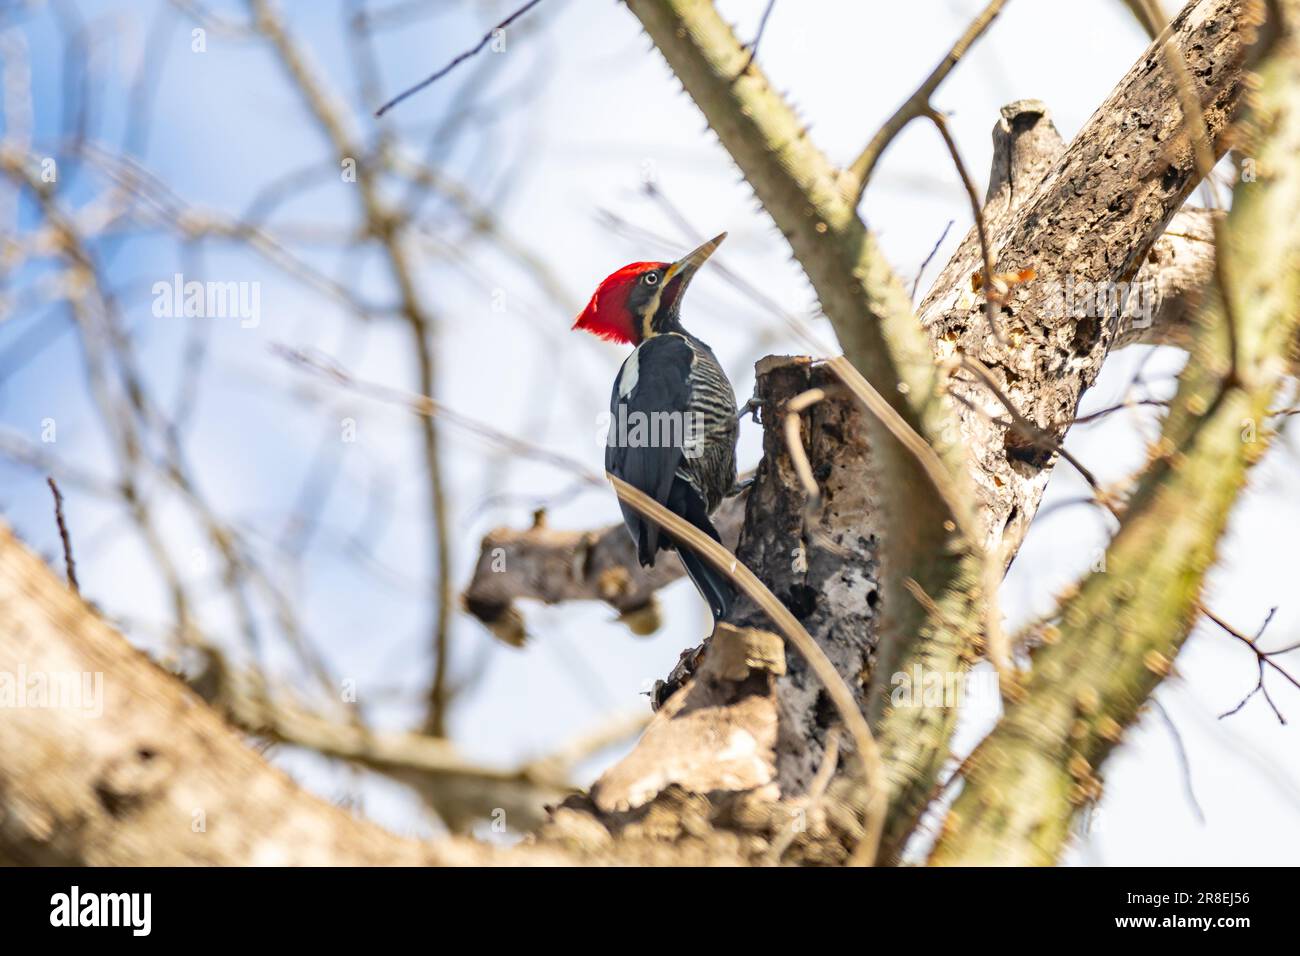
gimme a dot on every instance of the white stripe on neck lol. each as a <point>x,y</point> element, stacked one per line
<point>629,373</point>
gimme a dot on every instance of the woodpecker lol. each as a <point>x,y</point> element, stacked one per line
<point>673,426</point>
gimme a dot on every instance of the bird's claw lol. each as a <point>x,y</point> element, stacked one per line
<point>742,486</point>
<point>750,408</point>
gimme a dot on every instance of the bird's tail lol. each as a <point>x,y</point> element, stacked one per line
<point>714,586</point>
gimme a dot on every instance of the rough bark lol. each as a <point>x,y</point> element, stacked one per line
<point>1178,267</point>
<point>820,558</point>
<point>1094,219</point>
<point>716,734</point>
<point>1026,144</point>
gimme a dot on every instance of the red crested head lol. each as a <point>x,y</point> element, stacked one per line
<point>609,313</point>
<point>642,299</point>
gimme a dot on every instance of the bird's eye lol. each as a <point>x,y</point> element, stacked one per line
<point>650,278</point>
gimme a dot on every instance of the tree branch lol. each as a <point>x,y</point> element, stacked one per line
<point>110,761</point>
<point>550,565</point>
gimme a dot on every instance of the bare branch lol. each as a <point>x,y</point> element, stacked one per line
<point>1263,659</point>
<point>63,534</point>
<point>858,174</point>
<point>460,58</point>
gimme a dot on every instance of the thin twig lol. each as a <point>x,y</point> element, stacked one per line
<point>916,283</point>
<point>927,602</point>
<point>753,47</point>
<point>456,61</point>
<point>1027,429</point>
<point>424,405</point>
<point>1110,410</point>
<point>1262,658</point>
<point>1183,762</point>
<point>794,408</point>
<point>991,296</point>
<point>794,445</point>
<point>387,225</point>
<point>63,533</point>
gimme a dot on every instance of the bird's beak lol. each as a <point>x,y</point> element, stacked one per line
<point>686,267</point>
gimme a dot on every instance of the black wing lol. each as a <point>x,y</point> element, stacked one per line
<point>637,450</point>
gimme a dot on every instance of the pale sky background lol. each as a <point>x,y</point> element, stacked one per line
<point>577,112</point>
